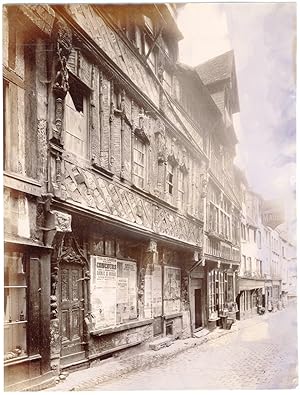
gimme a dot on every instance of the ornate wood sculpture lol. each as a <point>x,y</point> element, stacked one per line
<point>61,83</point>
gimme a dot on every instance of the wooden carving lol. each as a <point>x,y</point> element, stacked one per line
<point>61,82</point>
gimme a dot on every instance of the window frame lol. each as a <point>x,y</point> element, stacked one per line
<point>10,324</point>
<point>144,166</point>
<point>86,95</point>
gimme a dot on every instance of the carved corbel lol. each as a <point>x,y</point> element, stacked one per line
<point>57,223</point>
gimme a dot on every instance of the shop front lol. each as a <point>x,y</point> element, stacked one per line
<point>26,295</point>
<point>251,297</point>
<point>221,283</point>
<point>111,290</point>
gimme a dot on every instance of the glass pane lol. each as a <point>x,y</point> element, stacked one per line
<point>15,341</point>
<point>14,304</point>
<point>14,269</point>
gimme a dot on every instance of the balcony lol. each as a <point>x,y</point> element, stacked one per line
<point>213,234</point>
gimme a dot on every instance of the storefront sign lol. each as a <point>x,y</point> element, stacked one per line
<point>23,185</point>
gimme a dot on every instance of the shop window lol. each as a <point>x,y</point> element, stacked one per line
<point>139,162</point>
<point>230,297</point>
<point>221,291</point>
<point>15,311</point>
<point>212,293</point>
<point>76,115</point>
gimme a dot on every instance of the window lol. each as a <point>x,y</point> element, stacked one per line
<point>259,239</point>
<point>6,122</point>
<point>212,305</point>
<point>214,218</point>
<point>249,264</point>
<point>152,57</point>
<point>243,268</point>
<point>15,318</point>
<point>170,178</point>
<point>76,138</point>
<point>139,162</point>
<point>180,189</point>
<point>230,296</point>
<point>243,231</point>
<point>221,290</point>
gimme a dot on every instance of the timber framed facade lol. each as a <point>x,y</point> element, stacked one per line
<point>107,232</point>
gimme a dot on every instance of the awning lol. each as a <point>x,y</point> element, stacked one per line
<point>246,284</point>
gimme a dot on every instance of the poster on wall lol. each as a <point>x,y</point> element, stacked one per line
<point>126,291</point>
<point>113,291</point>
<point>103,290</point>
<point>156,291</point>
<point>172,286</point>
<point>148,296</point>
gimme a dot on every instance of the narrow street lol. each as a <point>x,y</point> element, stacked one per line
<point>259,356</point>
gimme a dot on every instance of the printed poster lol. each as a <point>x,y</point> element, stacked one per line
<point>172,287</point>
<point>103,291</point>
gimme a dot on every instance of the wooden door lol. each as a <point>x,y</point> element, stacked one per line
<point>71,312</point>
<point>198,309</point>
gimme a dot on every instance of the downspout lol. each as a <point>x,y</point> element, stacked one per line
<point>189,283</point>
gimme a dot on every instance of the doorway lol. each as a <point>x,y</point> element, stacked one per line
<point>71,312</point>
<point>198,309</point>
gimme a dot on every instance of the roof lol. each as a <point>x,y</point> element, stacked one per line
<point>216,69</point>
<point>191,71</point>
<point>220,68</point>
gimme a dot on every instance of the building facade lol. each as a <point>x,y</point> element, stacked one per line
<point>222,206</point>
<point>251,279</point>
<point>123,207</point>
<point>106,160</point>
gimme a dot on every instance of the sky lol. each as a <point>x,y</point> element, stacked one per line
<point>263,37</point>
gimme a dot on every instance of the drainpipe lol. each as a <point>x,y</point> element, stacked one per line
<point>189,282</point>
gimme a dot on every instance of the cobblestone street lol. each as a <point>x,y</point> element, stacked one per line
<point>259,356</point>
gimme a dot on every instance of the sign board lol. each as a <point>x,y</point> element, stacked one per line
<point>272,213</point>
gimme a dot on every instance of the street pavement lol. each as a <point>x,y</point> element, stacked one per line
<point>262,354</point>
